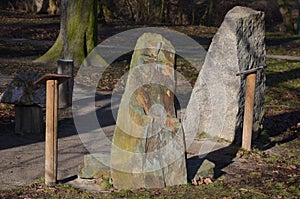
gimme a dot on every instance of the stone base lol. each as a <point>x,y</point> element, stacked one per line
<point>95,166</point>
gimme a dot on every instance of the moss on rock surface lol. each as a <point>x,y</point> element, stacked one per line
<point>148,146</point>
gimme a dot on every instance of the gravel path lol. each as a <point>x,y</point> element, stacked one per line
<point>286,57</point>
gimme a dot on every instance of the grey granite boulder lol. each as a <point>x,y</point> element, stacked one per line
<point>216,105</point>
<point>22,90</point>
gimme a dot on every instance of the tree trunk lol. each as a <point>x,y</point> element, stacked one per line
<point>286,15</point>
<point>41,5</point>
<point>298,20</point>
<point>53,7</point>
<point>210,12</point>
<point>162,12</point>
<point>78,32</point>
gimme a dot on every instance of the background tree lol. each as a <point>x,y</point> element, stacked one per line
<point>209,9</point>
<point>298,20</point>
<point>106,11</point>
<point>41,5</point>
<point>53,7</point>
<point>286,15</point>
<point>78,32</point>
<point>281,15</point>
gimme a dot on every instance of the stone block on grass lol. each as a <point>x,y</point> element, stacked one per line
<point>95,166</point>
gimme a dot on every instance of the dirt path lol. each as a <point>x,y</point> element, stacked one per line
<point>22,156</point>
<point>285,57</point>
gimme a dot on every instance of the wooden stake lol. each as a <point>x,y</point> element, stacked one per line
<point>248,112</point>
<point>51,132</point>
<point>52,82</point>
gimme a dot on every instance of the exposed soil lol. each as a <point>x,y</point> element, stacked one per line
<point>274,163</point>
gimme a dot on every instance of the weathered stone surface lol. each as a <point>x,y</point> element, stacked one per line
<point>22,90</point>
<point>217,102</point>
<point>95,166</point>
<point>148,145</point>
<point>199,166</point>
<point>206,169</point>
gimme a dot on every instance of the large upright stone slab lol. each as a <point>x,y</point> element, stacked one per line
<point>148,148</point>
<point>216,105</point>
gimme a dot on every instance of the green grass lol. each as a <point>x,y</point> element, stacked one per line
<point>281,36</point>
<point>283,84</point>
<point>280,43</point>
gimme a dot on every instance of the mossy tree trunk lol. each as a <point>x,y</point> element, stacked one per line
<point>78,32</point>
<point>286,14</point>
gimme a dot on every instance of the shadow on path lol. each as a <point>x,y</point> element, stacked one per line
<point>66,126</point>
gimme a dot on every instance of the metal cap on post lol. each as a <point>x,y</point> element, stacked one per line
<point>65,67</point>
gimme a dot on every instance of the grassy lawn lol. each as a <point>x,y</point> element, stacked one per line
<point>283,83</point>
<point>280,43</point>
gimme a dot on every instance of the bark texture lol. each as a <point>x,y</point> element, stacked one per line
<point>78,32</point>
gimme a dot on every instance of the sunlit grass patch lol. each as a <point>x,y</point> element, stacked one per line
<point>283,85</point>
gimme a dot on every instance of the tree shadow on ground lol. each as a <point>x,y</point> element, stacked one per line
<point>10,139</point>
<point>66,126</point>
<point>284,127</point>
<point>274,79</point>
<point>279,129</point>
<point>280,41</point>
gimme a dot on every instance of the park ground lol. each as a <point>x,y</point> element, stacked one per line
<point>270,170</point>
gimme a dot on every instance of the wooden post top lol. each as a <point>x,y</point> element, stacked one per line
<point>59,77</point>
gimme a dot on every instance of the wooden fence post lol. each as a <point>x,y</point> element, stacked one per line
<point>52,82</point>
<point>51,133</point>
<point>249,105</point>
<point>248,111</point>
